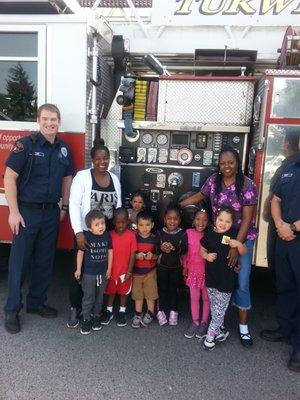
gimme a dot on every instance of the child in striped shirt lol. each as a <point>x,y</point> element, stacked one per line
<point>144,285</point>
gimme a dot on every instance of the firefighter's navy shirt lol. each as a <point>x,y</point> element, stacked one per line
<point>286,162</point>
<point>51,162</point>
<point>288,190</point>
<point>95,260</point>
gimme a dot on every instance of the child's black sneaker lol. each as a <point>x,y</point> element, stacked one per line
<point>86,327</point>
<point>202,330</point>
<point>106,317</point>
<point>121,319</point>
<point>96,325</point>
<point>222,336</point>
<point>191,330</point>
<point>73,320</point>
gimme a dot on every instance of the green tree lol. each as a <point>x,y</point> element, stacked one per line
<point>21,94</point>
<point>3,107</point>
<point>289,103</point>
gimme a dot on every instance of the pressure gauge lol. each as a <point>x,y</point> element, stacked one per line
<point>185,156</point>
<point>147,138</point>
<point>162,139</point>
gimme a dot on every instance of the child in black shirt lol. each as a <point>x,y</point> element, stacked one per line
<point>172,244</point>
<point>220,277</point>
<point>97,264</point>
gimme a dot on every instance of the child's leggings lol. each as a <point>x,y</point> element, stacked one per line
<point>195,294</point>
<point>219,302</point>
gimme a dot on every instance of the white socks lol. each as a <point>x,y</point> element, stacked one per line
<point>110,309</point>
<point>244,331</point>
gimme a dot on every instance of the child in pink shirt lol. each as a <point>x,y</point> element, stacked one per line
<point>194,273</point>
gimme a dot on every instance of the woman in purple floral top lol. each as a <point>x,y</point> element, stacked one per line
<point>229,186</point>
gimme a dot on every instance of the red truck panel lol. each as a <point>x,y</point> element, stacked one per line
<point>76,141</point>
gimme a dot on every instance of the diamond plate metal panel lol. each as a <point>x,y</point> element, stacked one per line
<point>281,72</point>
<point>104,92</point>
<point>258,117</point>
<point>88,129</point>
<point>211,102</point>
<point>115,111</point>
<point>108,127</point>
<point>111,134</point>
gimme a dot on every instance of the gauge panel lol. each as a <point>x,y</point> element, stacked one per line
<point>162,139</point>
<point>147,138</point>
<point>182,148</point>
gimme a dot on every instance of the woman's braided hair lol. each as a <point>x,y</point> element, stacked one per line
<point>239,180</point>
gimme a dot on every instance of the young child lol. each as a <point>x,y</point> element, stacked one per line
<point>120,281</point>
<point>138,204</point>
<point>172,244</point>
<point>220,277</point>
<point>144,285</point>
<point>96,263</point>
<point>194,273</point>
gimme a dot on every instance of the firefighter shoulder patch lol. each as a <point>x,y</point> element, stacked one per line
<point>64,151</point>
<point>18,147</point>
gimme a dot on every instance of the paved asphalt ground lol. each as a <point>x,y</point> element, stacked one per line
<point>48,361</point>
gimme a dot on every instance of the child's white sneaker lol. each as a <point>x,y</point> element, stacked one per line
<point>209,343</point>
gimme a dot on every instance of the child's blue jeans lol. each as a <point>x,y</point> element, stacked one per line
<point>241,296</point>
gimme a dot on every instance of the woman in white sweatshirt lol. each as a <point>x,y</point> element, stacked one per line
<point>92,188</point>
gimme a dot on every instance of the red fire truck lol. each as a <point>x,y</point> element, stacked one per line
<point>179,122</point>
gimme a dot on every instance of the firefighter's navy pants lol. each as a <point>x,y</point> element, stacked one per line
<point>287,266</point>
<point>33,247</point>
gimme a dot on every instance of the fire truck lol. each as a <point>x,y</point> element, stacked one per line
<point>164,115</point>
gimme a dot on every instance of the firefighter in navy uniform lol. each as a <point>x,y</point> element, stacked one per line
<point>38,173</point>
<point>285,207</point>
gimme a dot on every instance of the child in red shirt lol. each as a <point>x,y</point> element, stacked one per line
<point>120,282</point>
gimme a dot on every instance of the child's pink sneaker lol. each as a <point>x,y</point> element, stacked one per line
<point>173,318</point>
<point>161,317</point>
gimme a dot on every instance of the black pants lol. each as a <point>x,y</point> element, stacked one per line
<point>168,281</point>
<point>288,289</point>
<point>75,291</point>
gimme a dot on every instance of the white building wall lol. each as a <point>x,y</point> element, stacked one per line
<point>66,73</point>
